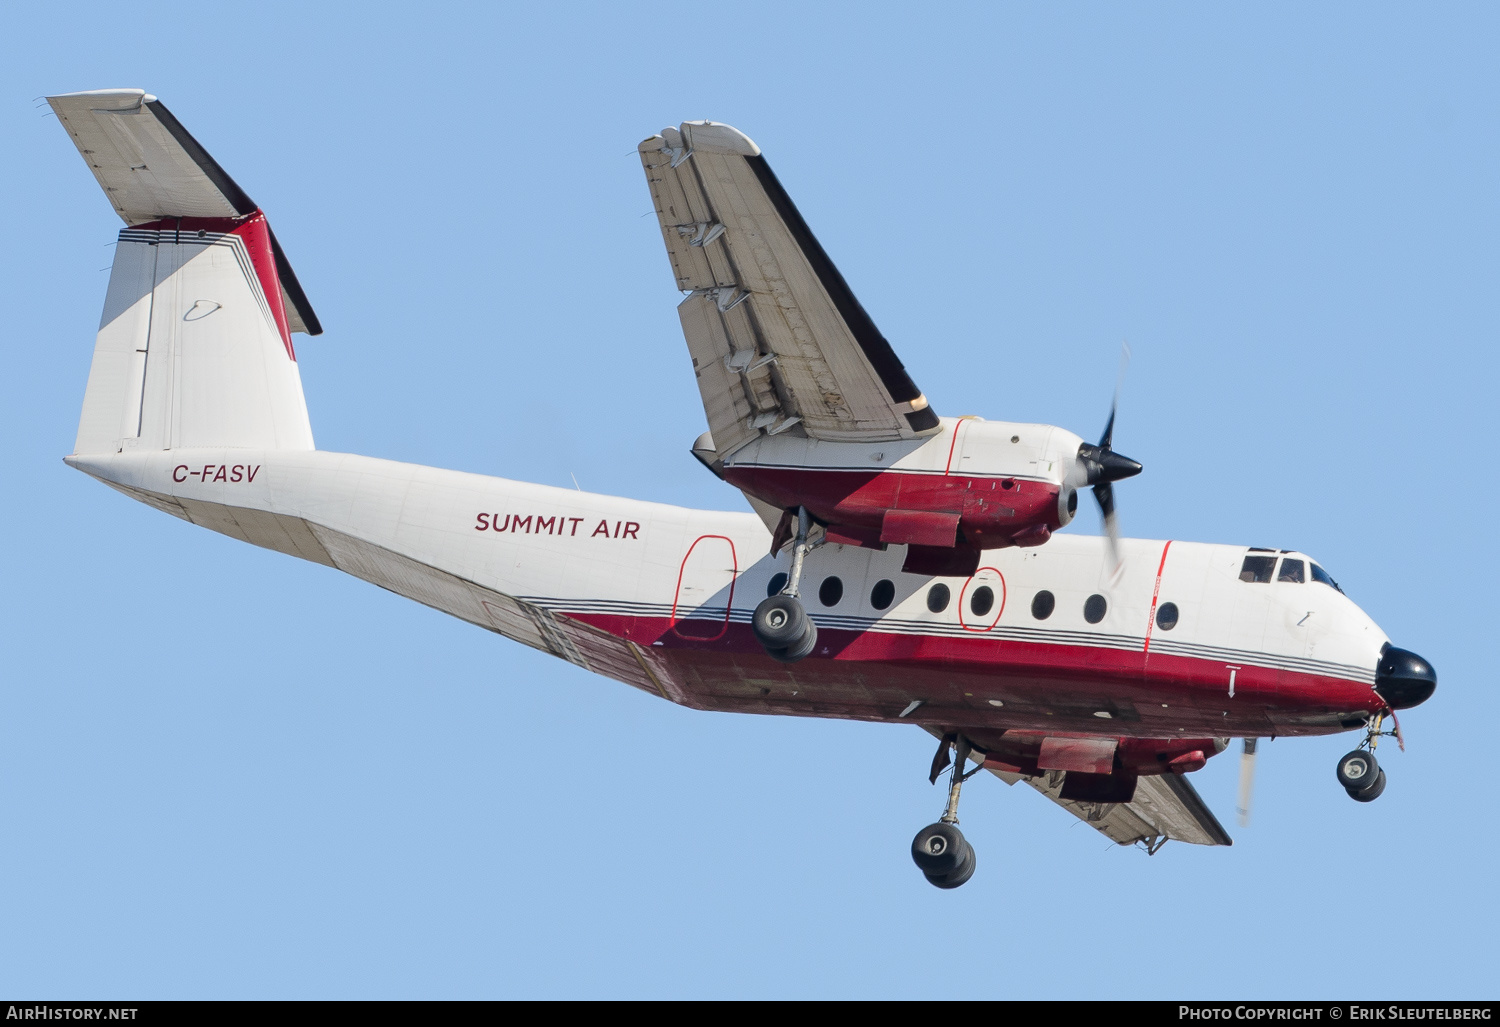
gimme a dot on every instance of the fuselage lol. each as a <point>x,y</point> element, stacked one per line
<point>1044,639</point>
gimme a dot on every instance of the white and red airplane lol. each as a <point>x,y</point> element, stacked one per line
<point>898,566</point>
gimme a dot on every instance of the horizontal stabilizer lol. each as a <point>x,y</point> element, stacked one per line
<point>152,169</point>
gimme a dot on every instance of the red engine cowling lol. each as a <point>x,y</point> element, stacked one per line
<point>930,510</point>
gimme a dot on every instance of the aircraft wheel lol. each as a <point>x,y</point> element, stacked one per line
<point>804,648</point>
<point>960,873</point>
<point>1358,770</point>
<point>938,849</point>
<point>783,628</point>
<point>1372,791</point>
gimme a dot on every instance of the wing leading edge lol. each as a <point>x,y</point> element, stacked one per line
<point>778,340</point>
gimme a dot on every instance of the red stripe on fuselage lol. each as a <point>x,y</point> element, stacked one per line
<point>874,675</point>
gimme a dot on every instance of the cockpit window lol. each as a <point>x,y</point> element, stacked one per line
<point>1320,575</point>
<point>1257,568</point>
<point>1291,570</point>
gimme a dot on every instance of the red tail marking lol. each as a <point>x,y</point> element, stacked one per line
<point>258,241</point>
<point>254,233</point>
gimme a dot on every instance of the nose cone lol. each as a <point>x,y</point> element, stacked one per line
<point>1404,679</point>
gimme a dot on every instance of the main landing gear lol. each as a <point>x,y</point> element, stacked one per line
<point>940,850</point>
<point>1358,771</point>
<point>781,623</point>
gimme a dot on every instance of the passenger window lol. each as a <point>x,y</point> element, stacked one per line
<point>1043,605</point>
<point>777,583</point>
<point>982,601</point>
<point>1291,570</point>
<point>882,594</point>
<point>831,591</point>
<point>1166,616</point>
<point>1257,568</point>
<point>1322,576</point>
<point>1094,608</point>
<point>937,598</point>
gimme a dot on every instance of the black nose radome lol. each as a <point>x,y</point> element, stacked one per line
<point>1403,679</point>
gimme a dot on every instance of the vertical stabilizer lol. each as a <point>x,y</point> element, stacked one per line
<point>195,344</point>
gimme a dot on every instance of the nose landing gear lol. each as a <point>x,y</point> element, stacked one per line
<point>781,623</point>
<point>940,850</point>
<point>1358,771</point>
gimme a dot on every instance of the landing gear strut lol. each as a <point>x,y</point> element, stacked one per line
<point>781,623</point>
<point>1358,771</point>
<point>940,850</point>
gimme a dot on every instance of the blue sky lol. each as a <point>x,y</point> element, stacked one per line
<point>225,773</point>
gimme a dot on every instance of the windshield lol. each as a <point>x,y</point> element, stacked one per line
<point>1320,575</point>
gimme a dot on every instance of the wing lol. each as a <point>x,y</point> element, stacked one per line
<point>777,338</point>
<point>1165,806</point>
<point>151,168</point>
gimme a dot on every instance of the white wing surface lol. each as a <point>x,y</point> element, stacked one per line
<point>778,340</point>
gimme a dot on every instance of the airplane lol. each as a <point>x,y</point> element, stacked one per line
<point>895,566</point>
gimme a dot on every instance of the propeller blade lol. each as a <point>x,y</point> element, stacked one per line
<point>1106,442</point>
<point>1104,493</point>
<point>1247,781</point>
<point>1100,466</point>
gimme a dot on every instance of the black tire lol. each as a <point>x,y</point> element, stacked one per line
<point>793,653</point>
<point>779,622</point>
<point>959,874</point>
<point>938,849</point>
<point>1357,770</point>
<point>1371,793</point>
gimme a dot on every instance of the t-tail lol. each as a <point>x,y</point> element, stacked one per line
<point>195,342</point>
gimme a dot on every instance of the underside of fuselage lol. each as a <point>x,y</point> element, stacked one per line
<point>996,684</point>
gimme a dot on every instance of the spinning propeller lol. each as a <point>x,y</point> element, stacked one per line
<point>1247,781</point>
<point>1100,466</point>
